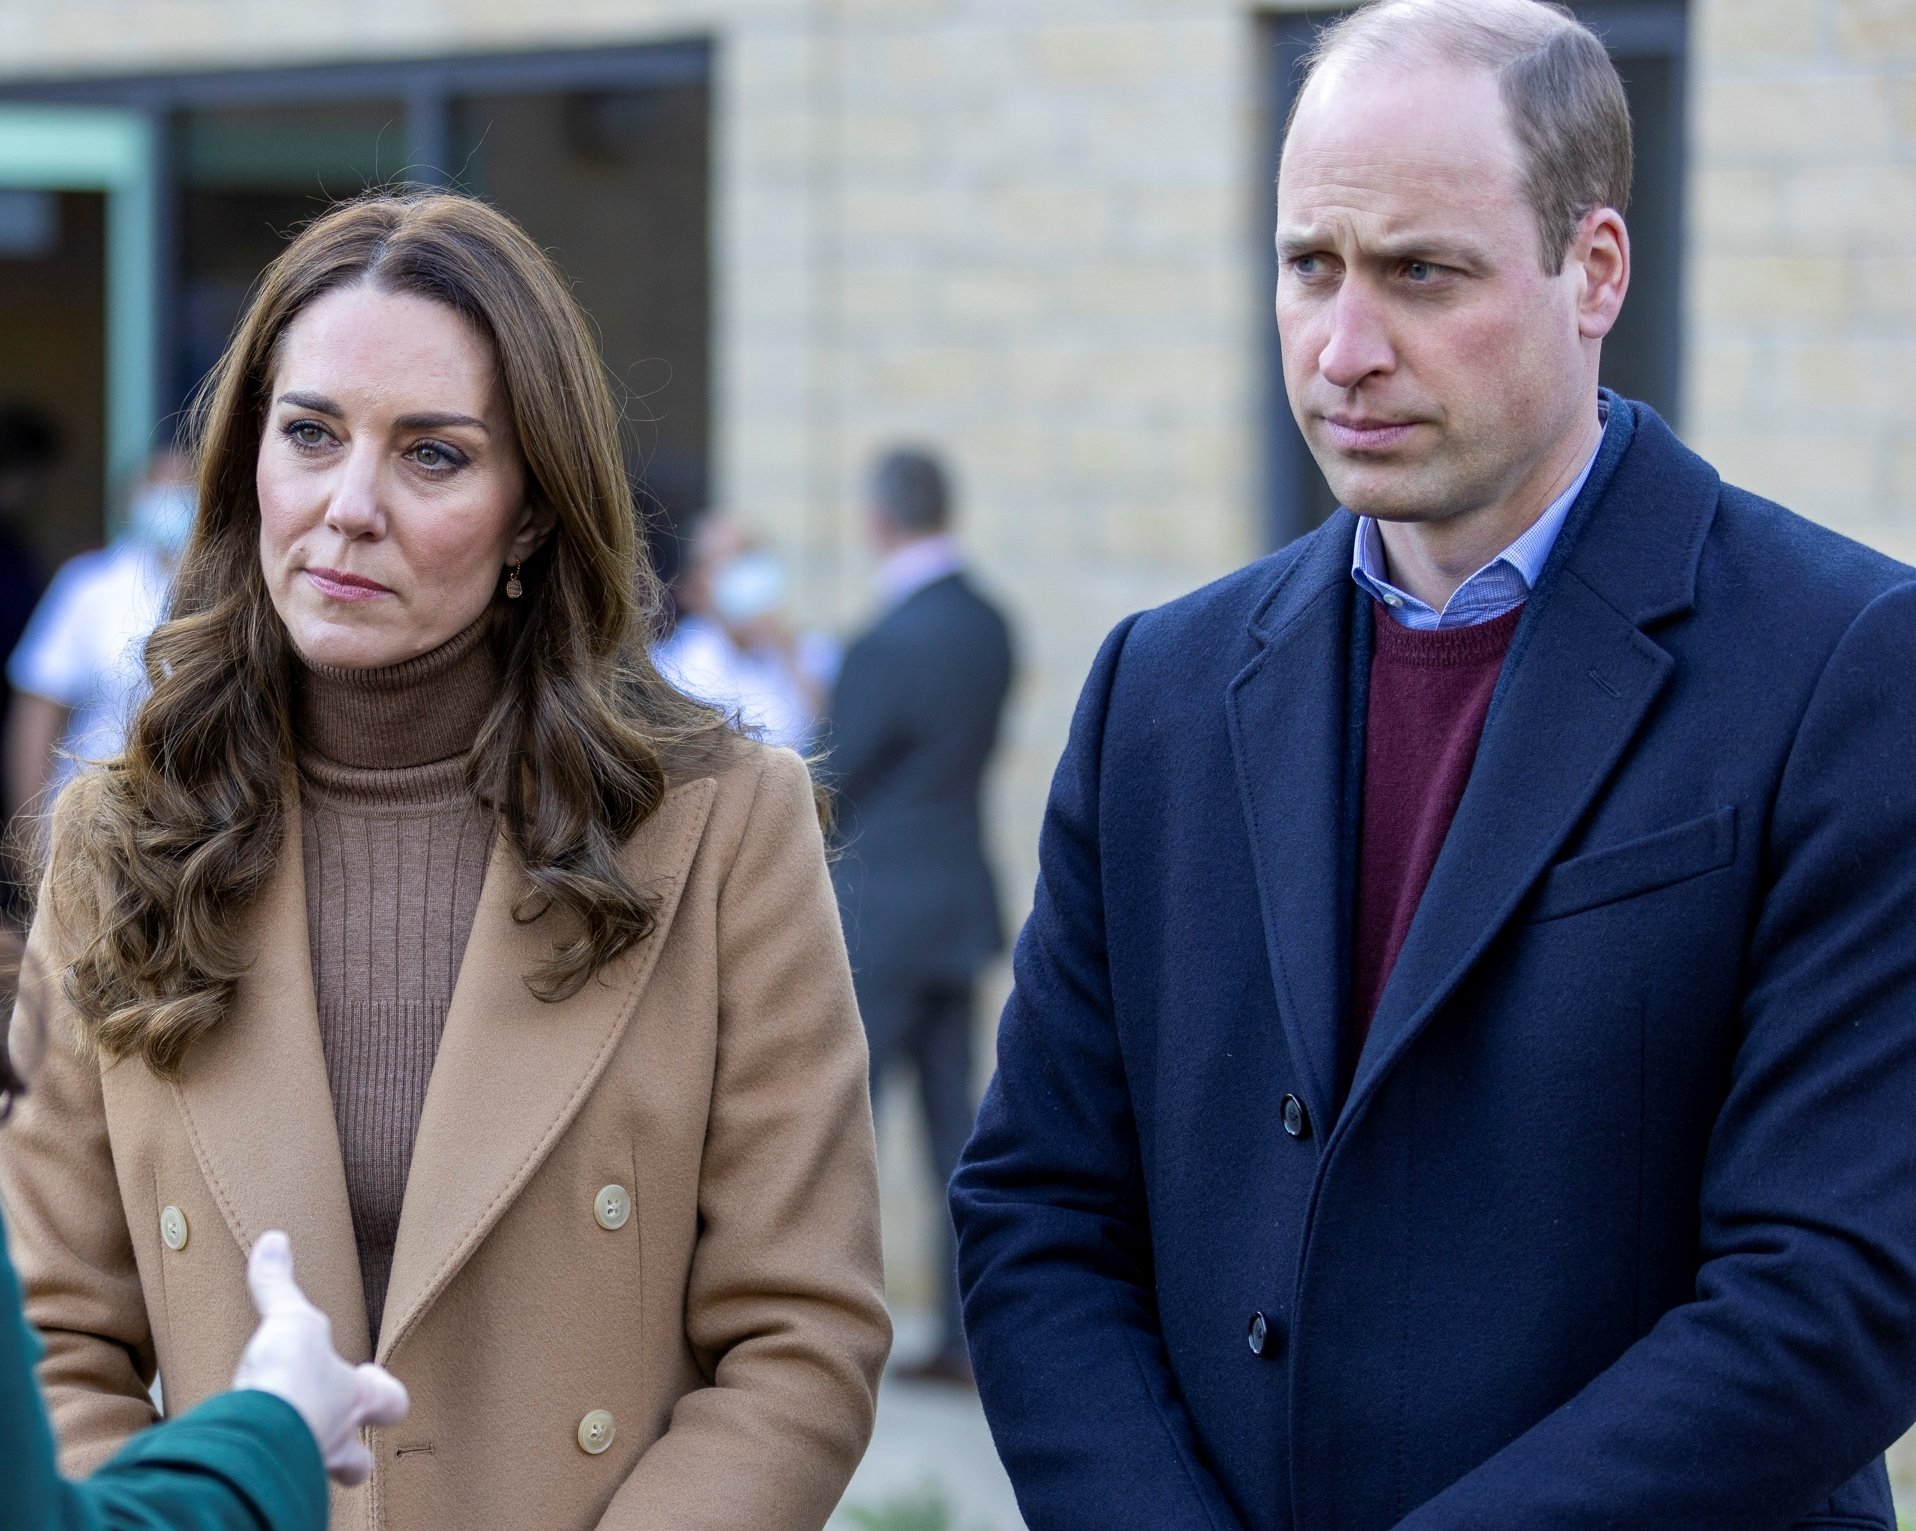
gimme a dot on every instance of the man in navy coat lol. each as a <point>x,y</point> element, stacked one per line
<point>1461,1072</point>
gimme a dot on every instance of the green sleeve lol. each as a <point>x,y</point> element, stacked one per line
<point>238,1462</point>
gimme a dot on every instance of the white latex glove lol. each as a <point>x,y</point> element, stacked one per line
<point>291,1356</point>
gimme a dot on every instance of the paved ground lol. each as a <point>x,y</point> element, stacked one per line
<point>931,1466</point>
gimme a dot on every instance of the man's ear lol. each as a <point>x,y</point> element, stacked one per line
<point>536,522</point>
<point>1600,258</point>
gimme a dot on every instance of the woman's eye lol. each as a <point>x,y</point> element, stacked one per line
<point>306,433</point>
<point>431,455</point>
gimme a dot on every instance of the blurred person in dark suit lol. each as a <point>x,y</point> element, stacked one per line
<point>912,725</point>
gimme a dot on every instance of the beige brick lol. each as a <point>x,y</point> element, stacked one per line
<point>1885,287</point>
<point>1181,218</point>
<point>1833,118</point>
<point>1732,206</point>
<point>1003,295</point>
<point>1721,382</point>
<point>1817,473</point>
<point>1731,30</point>
<point>1077,217</point>
<point>1100,55</point>
<point>1869,207</point>
<point>1860,380</point>
<point>1875,29</point>
<point>946,373</point>
<point>1903,90</point>
<point>1127,294</point>
<point>1901,452</point>
<point>1771,288</point>
<point>881,301</point>
<point>892,212</point>
<point>895,12</point>
<point>882,142</point>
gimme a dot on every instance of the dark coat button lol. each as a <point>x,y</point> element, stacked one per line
<point>1297,1121</point>
<point>1259,1335</point>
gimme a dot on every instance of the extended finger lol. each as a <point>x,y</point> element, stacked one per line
<point>269,1276</point>
<point>381,1397</point>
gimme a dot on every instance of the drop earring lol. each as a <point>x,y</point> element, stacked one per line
<point>514,589</point>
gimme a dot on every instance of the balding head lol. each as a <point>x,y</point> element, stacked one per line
<point>1564,100</point>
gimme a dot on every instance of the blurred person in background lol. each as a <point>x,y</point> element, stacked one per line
<point>254,1458</point>
<point>410,806</point>
<point>914,720</point>
<point>79,670</point>
<point>735,647</point>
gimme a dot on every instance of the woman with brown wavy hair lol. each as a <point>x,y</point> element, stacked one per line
<point>420,918</point>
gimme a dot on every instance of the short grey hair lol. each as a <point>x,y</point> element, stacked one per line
<point>910,489</point>
<point>1564,96</point>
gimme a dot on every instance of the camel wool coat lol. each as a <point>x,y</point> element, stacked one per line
<point>637,1281</point>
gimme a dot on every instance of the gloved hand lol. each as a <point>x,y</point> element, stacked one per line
<point>291,1356</point>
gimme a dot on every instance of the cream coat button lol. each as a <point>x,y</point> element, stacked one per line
<point>611,1207</point>
<point>173,1229</point>
<point>595,1432</point>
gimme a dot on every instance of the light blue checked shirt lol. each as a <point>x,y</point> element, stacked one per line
<point>1500,585</point>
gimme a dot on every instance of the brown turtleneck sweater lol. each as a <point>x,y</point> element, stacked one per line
<point>395,849</point>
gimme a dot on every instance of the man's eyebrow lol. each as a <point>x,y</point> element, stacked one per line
<point>1441,249</point>
<point>425,420</point>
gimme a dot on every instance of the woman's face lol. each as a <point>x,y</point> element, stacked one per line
<point>391,490</point>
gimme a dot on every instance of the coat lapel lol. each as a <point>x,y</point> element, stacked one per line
<point>512,1071</point>
<point>1581,677</point>
<point>259,1111</point>
<point>1288,714</point>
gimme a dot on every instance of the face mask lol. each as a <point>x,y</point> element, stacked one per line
<point>749,587</point>
<point>161,517</point>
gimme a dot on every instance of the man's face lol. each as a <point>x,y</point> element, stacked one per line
<point>1433,367</point>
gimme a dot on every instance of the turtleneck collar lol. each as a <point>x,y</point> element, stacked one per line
<point>423,711</point>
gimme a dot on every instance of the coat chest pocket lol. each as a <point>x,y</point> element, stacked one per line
<point>1643,865</point>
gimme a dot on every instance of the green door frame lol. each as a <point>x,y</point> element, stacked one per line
<point>76,148</point>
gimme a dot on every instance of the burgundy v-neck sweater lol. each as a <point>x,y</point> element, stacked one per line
<point>1429,693</point>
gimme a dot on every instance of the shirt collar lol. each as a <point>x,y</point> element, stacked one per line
<point>909,568</point>
<point>1525,557</point>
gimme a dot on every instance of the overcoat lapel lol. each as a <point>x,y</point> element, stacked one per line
<point>259,1111</point>
<point>512,1071</point>
<point>1575,697</point>
<point>1581,677</point>
<point>1288,714</point>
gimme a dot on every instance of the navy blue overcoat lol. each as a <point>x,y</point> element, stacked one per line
<point>1615,1225</point>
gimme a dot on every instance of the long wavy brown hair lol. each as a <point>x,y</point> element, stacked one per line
<point>162,848</point>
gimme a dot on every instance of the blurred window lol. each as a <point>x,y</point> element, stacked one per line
<point>603,155</point>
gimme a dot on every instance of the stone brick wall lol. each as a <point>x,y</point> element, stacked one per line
<point>1802,279</point>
